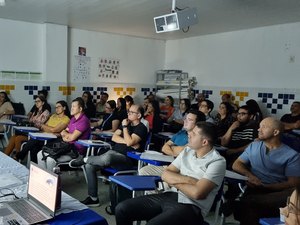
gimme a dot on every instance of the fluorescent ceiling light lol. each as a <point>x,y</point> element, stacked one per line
<point>2,2</point>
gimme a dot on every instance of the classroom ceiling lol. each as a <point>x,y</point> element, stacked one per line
<point>135,17</point>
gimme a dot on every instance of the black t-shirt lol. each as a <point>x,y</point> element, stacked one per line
<point>141,131</point>
<point>122,114</point>
<point>107,121</point>
<point>90,110</point>
<point>288,118</point>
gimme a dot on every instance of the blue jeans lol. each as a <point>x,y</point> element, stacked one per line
<point>158,209</point>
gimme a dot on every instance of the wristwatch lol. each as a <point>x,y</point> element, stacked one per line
<point>124,126</point>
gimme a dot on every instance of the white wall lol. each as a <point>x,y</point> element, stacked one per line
<point>55,42</point>
<point>139,57</point>
<point>248,58</point>
<point>49,49</point>
<point>21,46</point>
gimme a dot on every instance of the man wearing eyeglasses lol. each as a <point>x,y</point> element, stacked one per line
<point>239,135</point>
<point>273,171</point>
<point>131,136</point>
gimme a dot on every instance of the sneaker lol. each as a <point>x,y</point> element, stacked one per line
<point>227,208</point>
<point>109,211</point>
<point>90,202</point>
<point>75,163</point>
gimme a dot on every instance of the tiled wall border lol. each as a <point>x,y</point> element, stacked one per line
<point>274,102</point>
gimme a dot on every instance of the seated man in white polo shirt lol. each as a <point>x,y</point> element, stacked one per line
<point>195,175</point>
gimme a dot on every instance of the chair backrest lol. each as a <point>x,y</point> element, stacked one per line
<point>291,140</point>
<point>5,132</point>
<point>148,141</point>
<point>19,108</point>
<point>219,199</point>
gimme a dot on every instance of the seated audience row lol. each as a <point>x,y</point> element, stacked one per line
<point>272,168</point>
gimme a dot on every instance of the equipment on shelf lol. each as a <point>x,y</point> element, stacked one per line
<point>174,83</point>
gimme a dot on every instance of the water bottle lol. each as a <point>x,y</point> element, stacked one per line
<point>58,194</point>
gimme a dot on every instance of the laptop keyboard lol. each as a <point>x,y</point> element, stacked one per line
<point>13,222</point>
<point>27,211</point>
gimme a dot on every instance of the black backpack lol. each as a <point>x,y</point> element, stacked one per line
<point>56,149</point>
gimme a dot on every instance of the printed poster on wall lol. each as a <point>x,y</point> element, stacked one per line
<point>109,68</point>
<point>82,67</point>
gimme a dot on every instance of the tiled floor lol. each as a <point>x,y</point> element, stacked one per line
<point>77,188</point>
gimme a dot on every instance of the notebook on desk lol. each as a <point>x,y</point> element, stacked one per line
<point>39,205</point>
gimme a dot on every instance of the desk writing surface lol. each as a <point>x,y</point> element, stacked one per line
<point>234,175</point>
<point>220,148</point>
<point>92,143</point>
<point>158,156</point>
<point>20,116</point>
<point>82,217</point>
<point>296,131</point>
<point>270,221</point>
<point>26,129</point>
<point>42,136</point>
<point>7,122</point>
<point>136,183</point>
<point>166,134</point>
<point>103,133</point>
<point>137,156</point>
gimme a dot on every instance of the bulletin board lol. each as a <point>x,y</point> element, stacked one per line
<point>82,68</point>
<point>109,68</point>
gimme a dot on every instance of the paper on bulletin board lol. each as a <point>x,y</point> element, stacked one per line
<point>109,68</point>
<point>82,68</point>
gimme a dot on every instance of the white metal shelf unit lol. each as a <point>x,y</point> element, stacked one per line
<point>172,82</point>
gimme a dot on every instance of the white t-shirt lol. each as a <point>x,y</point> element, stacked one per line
<point>211,166</point>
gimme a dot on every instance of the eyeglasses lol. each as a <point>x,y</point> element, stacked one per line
<point>131,112</point>
<point>291,208</point>
<point>242,113</point>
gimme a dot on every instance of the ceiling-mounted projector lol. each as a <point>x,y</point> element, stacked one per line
<point>176,20</point>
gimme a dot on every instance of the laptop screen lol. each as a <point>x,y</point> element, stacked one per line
<point>42,187</point>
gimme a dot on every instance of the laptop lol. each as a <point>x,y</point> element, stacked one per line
<point>40,203</point>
